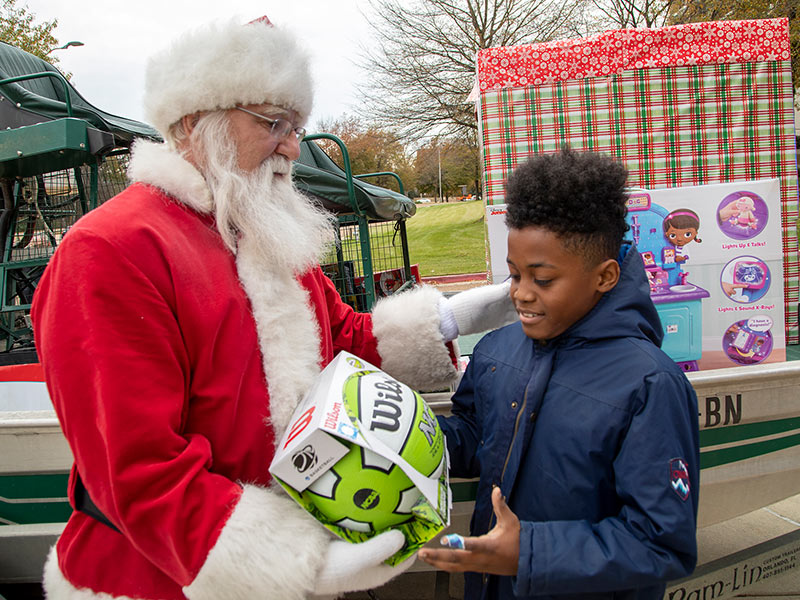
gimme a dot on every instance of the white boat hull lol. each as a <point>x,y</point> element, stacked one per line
<point>749,421</point>
<point>749,437</point>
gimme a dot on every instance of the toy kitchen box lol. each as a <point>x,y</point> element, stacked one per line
<point>723,306</point>
<point>323,429</point>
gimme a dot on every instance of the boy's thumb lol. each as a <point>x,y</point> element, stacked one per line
<point>499,505</point>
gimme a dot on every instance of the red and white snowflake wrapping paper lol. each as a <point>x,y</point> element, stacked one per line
<point>612,52</point>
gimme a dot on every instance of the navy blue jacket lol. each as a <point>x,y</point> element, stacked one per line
<point>593,439</point>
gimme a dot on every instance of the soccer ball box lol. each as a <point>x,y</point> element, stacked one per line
<point>363,453</point>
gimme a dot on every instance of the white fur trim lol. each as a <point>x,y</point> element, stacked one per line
<point>224,64</point>
<point>409,340</point>
<point>288,334</point>
<point>57,587</point>
<point>155,164</point>
<point>268,548</point>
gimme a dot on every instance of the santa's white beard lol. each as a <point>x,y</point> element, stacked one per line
<point>262,210</point>
<point>276,234</point>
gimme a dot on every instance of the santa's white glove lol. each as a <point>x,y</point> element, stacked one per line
<point>353,567</point>
<point>476,310</point>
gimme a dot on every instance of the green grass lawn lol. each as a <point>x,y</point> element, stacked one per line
<point>448,239</point>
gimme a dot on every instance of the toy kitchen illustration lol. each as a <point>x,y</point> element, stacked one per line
<point>663,238</point>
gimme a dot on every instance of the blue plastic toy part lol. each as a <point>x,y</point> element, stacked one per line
<point>751,274</point>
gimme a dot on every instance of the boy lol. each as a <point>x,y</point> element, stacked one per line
<point>574,414</point>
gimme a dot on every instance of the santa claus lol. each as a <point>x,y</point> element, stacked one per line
<point>180,323</point>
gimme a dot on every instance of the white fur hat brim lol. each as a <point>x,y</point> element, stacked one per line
<point>225,64</point>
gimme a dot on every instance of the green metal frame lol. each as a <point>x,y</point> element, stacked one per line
<point>49,146</point>
<point>402,228</point>
<point>357,217</point>
<point>58,76</point>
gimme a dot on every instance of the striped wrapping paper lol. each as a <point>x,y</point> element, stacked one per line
<point>679,106</point>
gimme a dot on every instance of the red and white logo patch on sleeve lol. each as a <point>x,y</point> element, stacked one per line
<point>679,477</point>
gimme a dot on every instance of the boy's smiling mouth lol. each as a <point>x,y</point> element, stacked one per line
<point>527,315</point>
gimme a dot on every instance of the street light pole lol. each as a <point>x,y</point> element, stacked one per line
<point>439,148</point>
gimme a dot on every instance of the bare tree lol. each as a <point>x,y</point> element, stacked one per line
<point>691,11</point>
<point>422,68</point>
<point>627,14</point>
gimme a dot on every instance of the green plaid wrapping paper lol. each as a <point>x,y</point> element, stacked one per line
<point>671,126</point>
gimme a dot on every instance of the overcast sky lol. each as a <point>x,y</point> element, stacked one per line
<point>119,36</point>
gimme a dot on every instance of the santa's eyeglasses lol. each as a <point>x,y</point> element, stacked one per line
<point>279,128</point>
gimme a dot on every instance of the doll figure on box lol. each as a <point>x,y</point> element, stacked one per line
<point>745,218</point>
<point>740,212</point>
<point>680,228</point>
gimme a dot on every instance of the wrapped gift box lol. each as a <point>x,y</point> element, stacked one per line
<point>679,106</point>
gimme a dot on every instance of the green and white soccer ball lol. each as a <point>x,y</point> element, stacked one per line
<point>364,491</point>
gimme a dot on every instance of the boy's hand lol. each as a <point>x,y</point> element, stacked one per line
<point>497,552</point>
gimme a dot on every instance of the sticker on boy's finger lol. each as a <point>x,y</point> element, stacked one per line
<point>453,541</point>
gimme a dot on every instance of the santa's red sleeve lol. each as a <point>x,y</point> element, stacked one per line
<point>401,335</point>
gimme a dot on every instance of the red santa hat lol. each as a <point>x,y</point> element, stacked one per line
<point>225,64</point>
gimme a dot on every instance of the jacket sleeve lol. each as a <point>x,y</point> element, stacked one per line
<point>122,405</point>
<point>462,429</point>
<point>652,537</point>
<point>351,331</point>
<point>250,554</point>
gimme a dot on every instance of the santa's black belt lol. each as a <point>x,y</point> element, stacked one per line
<point>84,503</point>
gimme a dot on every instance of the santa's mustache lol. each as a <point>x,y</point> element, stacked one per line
<point>287,230</point>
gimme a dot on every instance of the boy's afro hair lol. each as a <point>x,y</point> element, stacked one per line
<point>579,196</point>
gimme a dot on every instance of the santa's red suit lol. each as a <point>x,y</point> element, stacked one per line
<point>173,366</point>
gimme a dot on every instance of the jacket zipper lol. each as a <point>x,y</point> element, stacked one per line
<point>516,431</point>
<point>485,577</point>
<point>511,445</point>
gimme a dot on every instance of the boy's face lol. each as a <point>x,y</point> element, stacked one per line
<point>552,286</point>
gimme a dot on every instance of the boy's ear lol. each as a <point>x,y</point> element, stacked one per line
<point>607,275</point>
